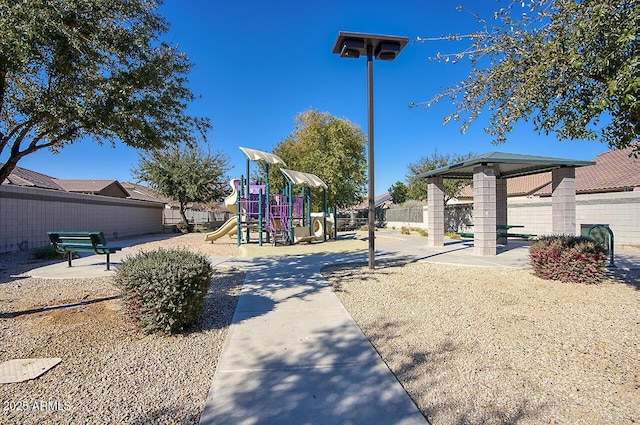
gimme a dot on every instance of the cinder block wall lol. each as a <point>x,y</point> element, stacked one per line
<point>620,210</point>
<point>27,214</point>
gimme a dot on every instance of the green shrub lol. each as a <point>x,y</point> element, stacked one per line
<point>452,235</point>
<point>164,290</point>
<point>568,259</point>
<point>47,252</point>
<point>423,232</point>
<point>405,231</point>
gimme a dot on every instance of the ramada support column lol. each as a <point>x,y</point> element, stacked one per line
<point>435,219</point>
<point>501,207</point>
<point>563,201</point>
<point>484,210</point>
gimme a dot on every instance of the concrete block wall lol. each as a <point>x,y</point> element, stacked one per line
<point>620,210</point>
<point>27,214</point>
<point>535,214</point>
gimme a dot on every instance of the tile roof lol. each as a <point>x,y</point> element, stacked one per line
<point>24,177</point>
<point>143,193</point>
<point>85,186</point>
<point>378,201</point>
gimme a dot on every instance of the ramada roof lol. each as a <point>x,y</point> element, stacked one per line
<point>614,171</point>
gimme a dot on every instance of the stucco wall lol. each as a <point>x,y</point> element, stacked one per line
<point>27,214</point>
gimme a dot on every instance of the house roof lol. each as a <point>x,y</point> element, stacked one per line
<point>143,193</point>
<point>28,178</point>
<point>23,177</point>
<point>88,186</point>
<point>378,201</point>
<point>507,165</point>
<point>612,171</point>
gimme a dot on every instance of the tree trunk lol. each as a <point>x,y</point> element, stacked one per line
<point>183,214</point>
<point>7,168</point>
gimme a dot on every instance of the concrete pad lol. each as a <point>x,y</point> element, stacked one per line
<point>257,298</point>
<point>345,394</point>
<point>19,370</point>
<point>294,355</point>
<point>300,338</point>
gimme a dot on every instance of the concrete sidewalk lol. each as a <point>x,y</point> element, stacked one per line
<point>294,355</point>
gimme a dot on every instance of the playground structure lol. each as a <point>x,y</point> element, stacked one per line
<point>276,217</point>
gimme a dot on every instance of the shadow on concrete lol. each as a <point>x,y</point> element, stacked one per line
<point>344,389</point>
<point>294,355</point>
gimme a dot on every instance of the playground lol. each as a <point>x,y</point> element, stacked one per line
<point>275,218</point>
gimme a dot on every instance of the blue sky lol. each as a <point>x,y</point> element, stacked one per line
<point>258,64</point>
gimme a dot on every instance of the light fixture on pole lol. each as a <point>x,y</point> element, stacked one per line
<point>383,47</point>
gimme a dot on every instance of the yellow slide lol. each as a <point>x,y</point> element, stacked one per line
<point>230,227</point>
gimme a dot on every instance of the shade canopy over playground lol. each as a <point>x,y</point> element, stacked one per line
<point>490,173</point>
<point>305,179</point>
<point>257,156</point>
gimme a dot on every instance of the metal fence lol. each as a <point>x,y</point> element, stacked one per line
<point>405,215</point>
<point>172,217</point>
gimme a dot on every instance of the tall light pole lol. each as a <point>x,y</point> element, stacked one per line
<point>383,47</point>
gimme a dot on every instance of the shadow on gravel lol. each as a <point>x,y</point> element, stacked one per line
<point>13,314</point>
<point>417,368</point>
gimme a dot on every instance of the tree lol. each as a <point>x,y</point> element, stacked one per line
<point>571,66</point>
<point>331,148</point>
<point>398,192</point>
<point>418,186</point>
<point>73,70</point>
<point>184,174</point>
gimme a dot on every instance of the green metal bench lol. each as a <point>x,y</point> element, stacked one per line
<point>500,235</point>
<point>70,242</point>
<point>515,235</point>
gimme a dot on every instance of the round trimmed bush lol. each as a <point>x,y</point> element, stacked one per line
<point>164,290</point>
<point>568,258</point>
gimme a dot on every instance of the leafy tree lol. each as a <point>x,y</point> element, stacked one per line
<point>398,192</point>
<point>331,148</point>
<point>571,66</point>
<point>418,186</point>
<point>73,70</point>
<point>184,174</point>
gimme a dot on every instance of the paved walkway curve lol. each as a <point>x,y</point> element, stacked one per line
<point>294,355</point>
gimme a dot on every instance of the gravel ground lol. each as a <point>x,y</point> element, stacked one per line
<point>500,346</point>
<point>109,372</point>
<point>470,345</point>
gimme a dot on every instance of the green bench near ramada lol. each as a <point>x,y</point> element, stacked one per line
<point>70,242</point>
<point>502,231</point>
